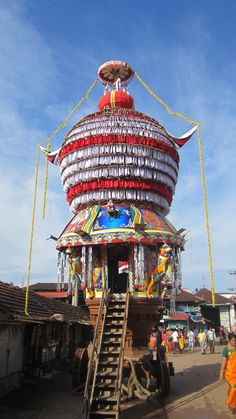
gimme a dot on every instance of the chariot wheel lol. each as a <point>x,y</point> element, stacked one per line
<point>79,367</point>
<point>161,372</point>
<point>163,380</point>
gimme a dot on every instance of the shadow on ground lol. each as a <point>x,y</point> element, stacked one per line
<point>186,387</point>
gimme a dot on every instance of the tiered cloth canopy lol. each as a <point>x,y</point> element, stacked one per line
<point>122,155</point>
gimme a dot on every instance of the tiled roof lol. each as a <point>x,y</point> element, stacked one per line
<point>46,286</point>
<point>12,306</point>
<point>206,295</point>
<point>188,297</point>
<point>53,294</point>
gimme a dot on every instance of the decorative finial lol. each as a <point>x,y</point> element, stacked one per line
<point>115,73</point>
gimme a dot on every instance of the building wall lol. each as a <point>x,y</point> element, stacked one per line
<point>11,359</point>
<point>171,324</point>
<point>227,316</point>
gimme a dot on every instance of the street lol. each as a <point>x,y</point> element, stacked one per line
<point>196,393</point>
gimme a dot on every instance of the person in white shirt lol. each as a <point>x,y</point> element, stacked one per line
<point>175,337</point>
<point>190,336</point>
<point>211,336</point>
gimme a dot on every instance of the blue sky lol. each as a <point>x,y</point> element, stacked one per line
<point>50,53</point>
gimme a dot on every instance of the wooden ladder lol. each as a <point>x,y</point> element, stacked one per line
<point>107,357</point>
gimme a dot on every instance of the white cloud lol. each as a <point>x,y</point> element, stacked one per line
<point>16,229</point>
<point>25,78</point>
<point>27,71</point>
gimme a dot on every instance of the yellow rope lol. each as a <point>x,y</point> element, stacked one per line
<point>113,99</point>
<point>63,125</point>
<point>206,217</point>
<point>191,246</point>
<point>163,103</point>
<point>32,231</point>
<point>202,174</point>
<point>45,185</point>
<point>45,180</point>
<point>69,273</point>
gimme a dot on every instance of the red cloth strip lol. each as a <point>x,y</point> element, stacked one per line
<point>119,184</point>
<point>118,139</point>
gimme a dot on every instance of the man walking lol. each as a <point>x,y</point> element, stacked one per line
<point>190,336</point>
<point>211,336</point>
<point>202,340</point>
<point>175,337</point>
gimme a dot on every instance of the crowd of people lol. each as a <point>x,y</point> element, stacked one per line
<point>177,339</point>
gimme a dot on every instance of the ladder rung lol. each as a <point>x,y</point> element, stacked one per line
<point>115,307</point>
<point>104,399</point>
<point>106,413</point>
<point>105,352</point>
<point>106,374</point>
<point>112,363</point>
<point>104,386</point>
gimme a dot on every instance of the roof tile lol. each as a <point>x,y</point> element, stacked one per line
<point>12,305</point>
<point>206,295</point>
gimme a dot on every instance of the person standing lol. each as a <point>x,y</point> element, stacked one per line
<point>175,337</point>
<point>206,332</point>
<point>164,339</point>
<point>202,340</point>
<point>195,336</point>
<point>211,337</point>
<point>222,336</point>
<point>181,341</point>
<point>170,340</point>
<point>190,336</point>
<point>152,343</point>
<point>228,371</point>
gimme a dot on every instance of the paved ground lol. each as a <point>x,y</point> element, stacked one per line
<point>196,394</point>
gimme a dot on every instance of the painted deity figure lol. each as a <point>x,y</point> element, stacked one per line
<point>75,267</point>
<point>159,275</point>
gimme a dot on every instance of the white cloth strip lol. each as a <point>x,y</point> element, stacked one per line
<point>99,196</point>
<point>119,126</point>
<point>116,121</point>
<point>120,131</point>
<point>114,161</point>
<point>118,172</point>
<point>124,161</point>
<point>118,149</point>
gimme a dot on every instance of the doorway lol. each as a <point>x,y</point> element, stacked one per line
<point>118,268</point>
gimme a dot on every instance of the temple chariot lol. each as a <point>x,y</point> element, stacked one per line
<point>119,169</point>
